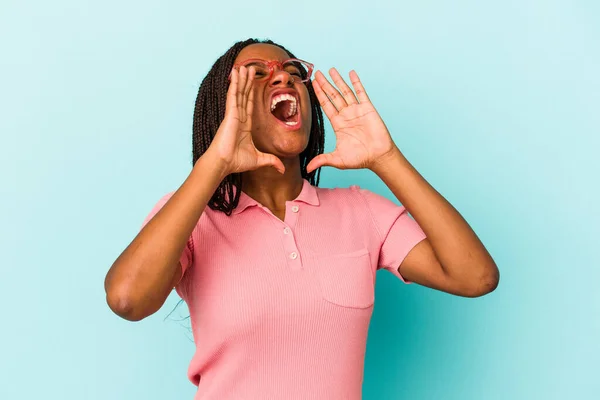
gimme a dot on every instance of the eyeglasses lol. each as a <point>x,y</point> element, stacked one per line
<point>300,70</point>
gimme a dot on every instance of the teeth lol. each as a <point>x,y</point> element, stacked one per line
<point>282,97</point>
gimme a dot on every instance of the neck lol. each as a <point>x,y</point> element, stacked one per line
<point>272,189</point>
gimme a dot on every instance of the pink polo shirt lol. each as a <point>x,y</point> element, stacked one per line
<point>281,309</point>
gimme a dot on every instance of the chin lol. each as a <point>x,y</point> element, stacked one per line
<point>291,147</point>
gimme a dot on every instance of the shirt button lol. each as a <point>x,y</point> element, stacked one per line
<point>295,208</point>
<point>286,230</point>
<point>293,256</point>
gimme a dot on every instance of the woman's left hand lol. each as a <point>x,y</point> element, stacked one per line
<point>362,139</point>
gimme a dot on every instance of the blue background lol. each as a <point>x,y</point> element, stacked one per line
<point>495,103</point>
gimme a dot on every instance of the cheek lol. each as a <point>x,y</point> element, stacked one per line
<point>306,106</point>
<point>261,118</point>
<point>259,109</point>
<point>307,115</point>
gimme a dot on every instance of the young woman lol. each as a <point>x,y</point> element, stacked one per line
<point>279,274</point>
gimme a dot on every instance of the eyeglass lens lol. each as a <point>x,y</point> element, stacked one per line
<point>297,69</point>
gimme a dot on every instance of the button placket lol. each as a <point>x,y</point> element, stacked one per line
<point>292,253</point>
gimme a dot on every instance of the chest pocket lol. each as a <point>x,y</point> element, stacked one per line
<point>347,279</point>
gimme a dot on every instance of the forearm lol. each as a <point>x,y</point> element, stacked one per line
<point>458,249</point>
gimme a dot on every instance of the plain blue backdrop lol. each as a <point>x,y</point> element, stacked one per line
<point>496,103</point>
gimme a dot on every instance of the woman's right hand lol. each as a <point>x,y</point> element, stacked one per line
<point>233,143</point>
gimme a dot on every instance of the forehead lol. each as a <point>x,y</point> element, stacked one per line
<point>263,51</point>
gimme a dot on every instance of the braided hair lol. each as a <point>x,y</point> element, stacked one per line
<point>209,112</point>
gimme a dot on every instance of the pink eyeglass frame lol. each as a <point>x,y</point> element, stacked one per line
<point>271,64</point>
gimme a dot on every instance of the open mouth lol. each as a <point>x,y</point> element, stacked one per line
<point>285,108</point>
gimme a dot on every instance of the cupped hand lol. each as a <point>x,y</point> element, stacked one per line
<point>362,138</point>
<point>233,141</point>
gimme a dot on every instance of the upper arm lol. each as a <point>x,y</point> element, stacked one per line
<point>422,266</point>
<point>404,249</point>
<point>186,257</point>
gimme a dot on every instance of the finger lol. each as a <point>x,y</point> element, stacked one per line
<point>248,90</point>
<point>319,161</point>
<point>240,92</point>
<point>336,98</point>
<point>347,93</point>
<point>231,102</point>
<point>324,101</point>
<point>265,160</point>
<point>358,87</point>
<point>250,105</point>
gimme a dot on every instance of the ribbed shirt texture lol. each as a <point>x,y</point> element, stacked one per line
<point>280,309</point>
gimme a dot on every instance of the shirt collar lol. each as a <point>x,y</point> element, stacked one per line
<point>307,195</point>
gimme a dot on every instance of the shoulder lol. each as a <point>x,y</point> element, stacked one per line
<point>364,201</point>
<point>338,191</point>
<point>353,192</point>
<point>161,200</point>
<point>352,198</point>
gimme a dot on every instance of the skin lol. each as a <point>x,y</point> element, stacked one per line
<point>266,185</point>
<point>451,259</point>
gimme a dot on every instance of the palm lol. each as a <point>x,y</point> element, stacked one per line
<point>356,127</point>
<point>246,156</point>
<point>233,140</point>
<point>361,134</point>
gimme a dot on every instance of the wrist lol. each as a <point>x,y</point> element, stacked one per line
<point>383,162</point>
<point>214,164</point>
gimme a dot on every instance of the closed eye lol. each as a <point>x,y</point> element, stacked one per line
<point>294,72</point>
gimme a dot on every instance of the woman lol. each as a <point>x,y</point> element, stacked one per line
<point>277,273</point>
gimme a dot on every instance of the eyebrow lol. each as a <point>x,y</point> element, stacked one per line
<point>266,61</point>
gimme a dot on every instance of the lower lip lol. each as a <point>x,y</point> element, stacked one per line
<point>294,127</point>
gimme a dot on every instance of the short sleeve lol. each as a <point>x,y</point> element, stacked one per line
<point>398,233</point>
<point>188,251</point>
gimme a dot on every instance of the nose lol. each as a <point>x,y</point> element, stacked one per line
<point>282,77</point>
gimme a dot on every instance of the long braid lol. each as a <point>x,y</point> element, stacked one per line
<point>209,112</point>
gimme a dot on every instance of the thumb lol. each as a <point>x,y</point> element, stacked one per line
<point>317,162</point>
<point>265,160</point>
